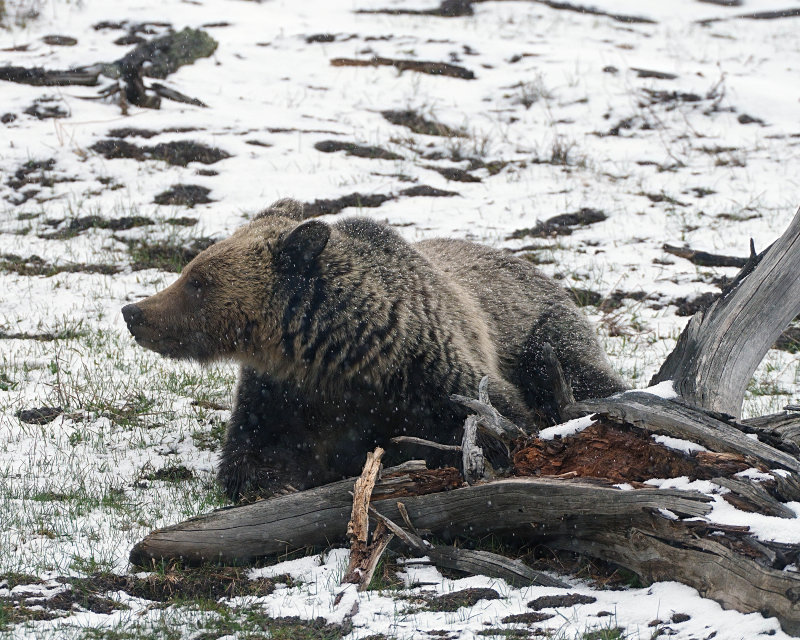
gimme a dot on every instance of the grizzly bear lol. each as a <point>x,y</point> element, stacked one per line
<point>347,336</point>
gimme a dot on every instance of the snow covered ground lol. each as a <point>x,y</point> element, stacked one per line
<point>678,130</point>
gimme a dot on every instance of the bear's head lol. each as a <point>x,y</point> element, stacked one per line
<point>223,304</point>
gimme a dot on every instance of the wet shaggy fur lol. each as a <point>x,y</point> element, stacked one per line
<point>347,335</point>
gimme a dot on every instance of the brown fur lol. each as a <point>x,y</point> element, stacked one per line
<point>347,335</point>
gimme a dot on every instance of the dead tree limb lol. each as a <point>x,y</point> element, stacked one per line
<point>315,516</point>
<point>721,347</point>
<point>364,557</point>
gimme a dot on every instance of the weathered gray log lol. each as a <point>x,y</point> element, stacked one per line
<point>651,413</point>
<point>664,550</point>
<point>721,347</point>
<point>756,495</point>
<point>318,516</point>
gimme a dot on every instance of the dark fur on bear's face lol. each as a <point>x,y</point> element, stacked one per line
<point>347,335</point>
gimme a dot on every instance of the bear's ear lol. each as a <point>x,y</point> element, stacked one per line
<point>302,246</point>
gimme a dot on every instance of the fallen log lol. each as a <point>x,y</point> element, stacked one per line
<point>316,516</point>
<point>156,58</point>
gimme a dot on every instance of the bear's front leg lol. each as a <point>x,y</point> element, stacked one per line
<point>265,450</point>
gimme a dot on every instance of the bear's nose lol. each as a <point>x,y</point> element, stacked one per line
<point>133,315</point>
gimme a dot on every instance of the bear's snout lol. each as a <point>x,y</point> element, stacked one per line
<point>133,316</point>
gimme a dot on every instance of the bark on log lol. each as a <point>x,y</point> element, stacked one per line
<point>721,347</point>
<point>664,550</point>
<point>317,516</point>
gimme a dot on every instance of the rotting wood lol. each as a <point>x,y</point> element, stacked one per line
<point>651,413</point>
<point>364,556</point>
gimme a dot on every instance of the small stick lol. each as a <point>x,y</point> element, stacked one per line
<point>425,443</point>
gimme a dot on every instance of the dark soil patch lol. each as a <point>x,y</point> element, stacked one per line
<point>175,584</point>
<point>671,97</point>
<point>132,132</point>
<point>789,340</point>
<point>663,197</point>
<point>651,73</point>
<point>41,415</point>
<point>527,618</point>
<point>165,255</point>
<point>419,124</point>
<point>179,153</point>
<point>36,266</point>
<point>454,174</point>
<point>335,205</point>
<point>60,41</point>
<point>172,473</point>
<point>182,221</point>
<point>688,306</point>
<point>8,118</point>
<point>321,37</point>
<point>567,600</point>
<point>353,149</point>
<point>561,225</point>
<point>187,195</point>
<point>36,172</point>
<point>79,225</point>
<point>423,190</point>
<point>457,599</point>
<point>744,118</point>
<point>46,107</point>
<point>587,297</point>
<point>447,9</point>
<point>258,143</point>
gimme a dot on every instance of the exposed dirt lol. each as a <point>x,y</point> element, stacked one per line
<point>36,266</point>
<point>335,205</point>
<point>41,415</point>
<point>187,195</point>
<point>171,473</point>
<point>353,149</point>
<point>688,306</point>
<point>447,9</point>
<point>419,124</point>
<point>457,599</point>
<point>79,225</point>
<point>554,602</point>
<point>132,132</point>
<point>177,584</point>
<point>47,107</point>
<point>561,225</point>
<point>179,153</point>
<point>455,174</point>
<point>423,190</point>
<point>527,618</point>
